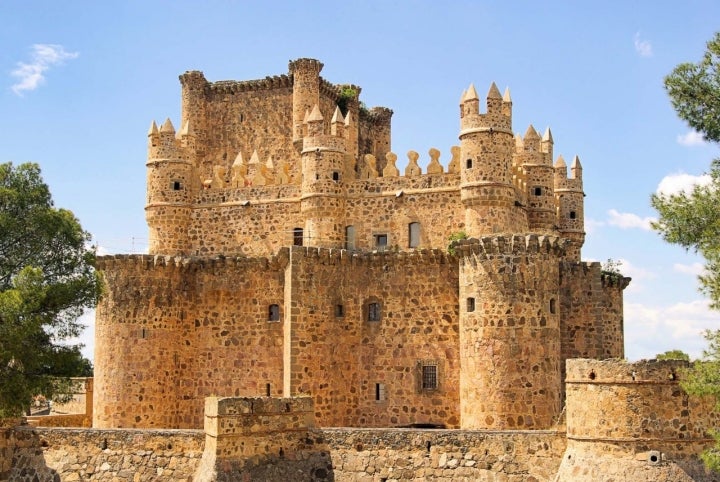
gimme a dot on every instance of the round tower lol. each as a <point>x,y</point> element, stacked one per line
<point>535,156</point>
<point>194,104</point>
<point>509,332</point>
<point>306,91</point>
<point>486,143</point>
<point>172,184</point>
<point>570,203</point>
<point>323,167</point>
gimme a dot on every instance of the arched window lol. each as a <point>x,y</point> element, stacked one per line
<point>349,237</point>
<point>297,237</point>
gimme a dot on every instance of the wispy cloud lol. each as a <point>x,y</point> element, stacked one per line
<point>638,274</point>
<point>592,225</point>
<point>691,139</point>
<point>643,47</point>
<point>44,56</point>
<point>695,269</point>
<point>681,182</point>
<point>650,330</point>
<point>629,220</point>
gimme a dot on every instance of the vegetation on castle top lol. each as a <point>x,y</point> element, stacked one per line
<point>453,239</point>
<point>692,219</point>
<point>611,269</point>
<point>47,281</point>
<point>673,355</point>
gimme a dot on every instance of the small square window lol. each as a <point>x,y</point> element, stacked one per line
<point>274,313</point>
<point>468,164</point>
<point>177,185</point>
<point>573,215</point>
<point>339,311</point>
<point>429,376</point>
<point>381,241</point>
<point>470,305</point>
<point>373,312</point>
<point>297,237</point>
<point>538,191</point>
<point>335,176</point>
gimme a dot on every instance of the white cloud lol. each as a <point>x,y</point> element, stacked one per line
<point>695,269</point>
<point>592,225</point>
<point>653,330</point>
<point>690,139</point>
<point>31,75</point>
<point>629,220</point>
<point>681,182</point>
<point>642,47</point>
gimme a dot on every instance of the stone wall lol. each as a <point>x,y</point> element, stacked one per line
<point>364,372</point>
<point>49,455</point>
<point>632,421</point>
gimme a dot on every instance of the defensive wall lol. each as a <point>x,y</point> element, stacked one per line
<point>174,330</point>
<point>624,422</point>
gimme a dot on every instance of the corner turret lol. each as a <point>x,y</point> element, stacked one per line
<point>570,205</point>
<point>306,91</point>
<point>486,183</point>
<point>538,172</point>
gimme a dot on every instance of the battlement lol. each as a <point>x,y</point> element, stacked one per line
<point>146,262</point>
<point>616,371</point>
<point>381,258</point>
<point>490,246</point>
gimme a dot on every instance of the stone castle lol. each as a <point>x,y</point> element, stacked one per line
<point>289,257</point>
<point>302,314</point>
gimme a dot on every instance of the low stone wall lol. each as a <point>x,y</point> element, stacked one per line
<point>71,420</point>
<point>54,454</point>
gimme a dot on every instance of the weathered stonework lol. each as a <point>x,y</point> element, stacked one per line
<point>289,256</point>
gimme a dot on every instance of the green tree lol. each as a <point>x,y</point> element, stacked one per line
<point>673,355</point>
<point>47,280</point>
<point>692,220</point>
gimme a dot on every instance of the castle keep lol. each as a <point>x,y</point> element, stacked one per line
<point>289,256</point>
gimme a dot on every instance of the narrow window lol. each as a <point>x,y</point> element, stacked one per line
<point>414,235</point>
<point>274,313</point>
<point>336,176</point>
<point>317,177</point>
<point>379,392</point>
<point>552,306</point>
<point>267,390</point>
<point>177,185</point>
<point>143,333</point>
<point>373,311</point>
<point>381,241</point>
<point>573,215</point>
<point>538,191</point>
<point>429,376</point>
<point>349,237</point>
<point>339,311</point>
<point>470,305</point>
<point>468,164</point>
<point>242,118</point>
<point>297,237</point>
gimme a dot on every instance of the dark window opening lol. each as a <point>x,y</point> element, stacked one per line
<point>297,237</point>
<point>381,241</point>
<point>143,333</point>
<point>349,237</point>
<point>373,312</point>
<point>429,376</point>
<point>470,305</point>
<point>573,215</point>
<point>468,164</point>
<point>242,117</point>
<point>414,235</point>
<point>538,191</point>
<point>274,313</point>
<point>317,177</point>
<point>336,176</point>
<point>552,306</point>
<point>177,185</point>
<point>267,390</point>
<point>339,311</point>
<point>379,392</point>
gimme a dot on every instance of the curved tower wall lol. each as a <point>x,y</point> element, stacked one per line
<point>306,91</point>
<point>509,332</point>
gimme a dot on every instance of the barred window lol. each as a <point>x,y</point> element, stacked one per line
<point>373,312</point>
<point>429,376</point>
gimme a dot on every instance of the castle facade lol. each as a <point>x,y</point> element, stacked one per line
<point>289,257</point>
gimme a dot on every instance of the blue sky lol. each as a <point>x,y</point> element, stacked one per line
<point>81,81</point>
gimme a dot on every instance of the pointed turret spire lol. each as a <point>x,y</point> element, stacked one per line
<point>506,95</point>
<point>462,96</point>
<point>471,94</point>
<point>347,119</point>
<point>269,164</point>
<point>315,115</point>
<point>337,116</point>
<point>167,127</point>
<point>255,159</point>
<point>187,129</point>
<point>153,129</point>
<point>576,168</point>
<point>531,134</point>
<point>307,115</point>
<point>560,162</point>
<point>239,160</point>
<point>547,137</point>
<point>494,92</point>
